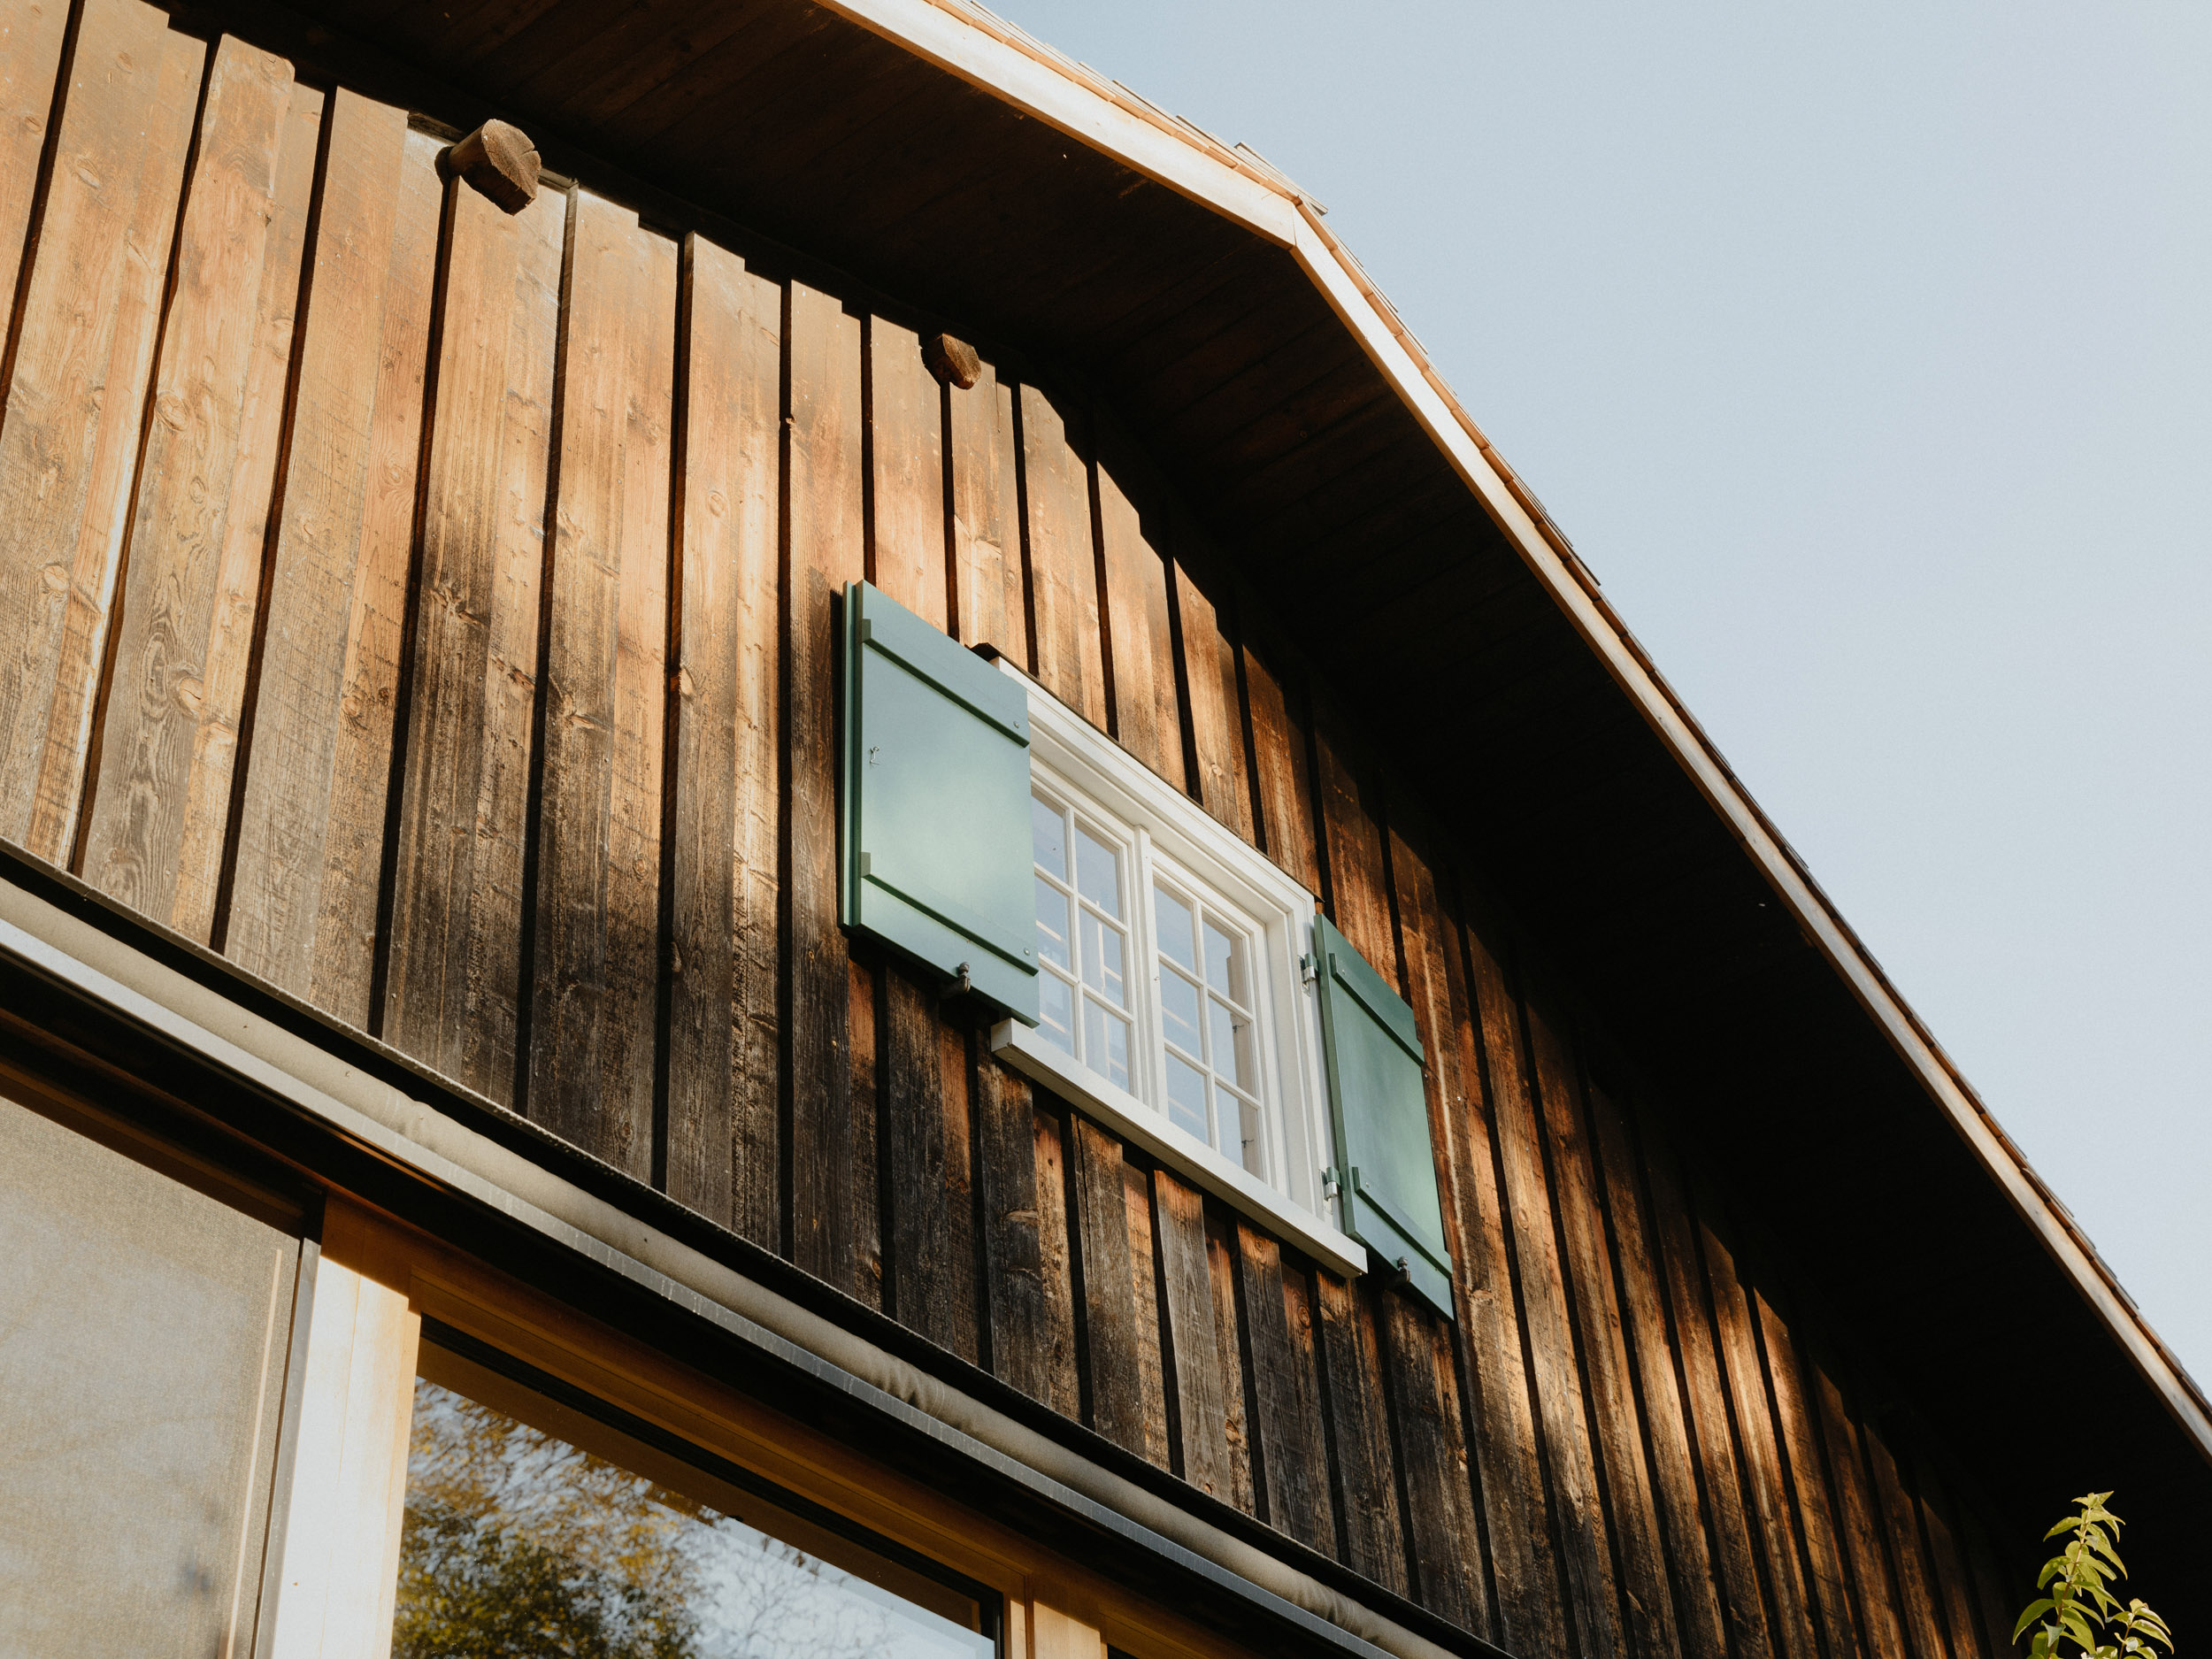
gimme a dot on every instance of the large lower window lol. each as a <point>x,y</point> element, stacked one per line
<point>1174,1002</point>
<point>534,1527</point>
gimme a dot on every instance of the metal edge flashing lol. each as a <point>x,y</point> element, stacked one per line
<point>1003,61</point>
<point>434,1149</point>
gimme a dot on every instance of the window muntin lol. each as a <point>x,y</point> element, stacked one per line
<point>1205,970</point>
<point>1083,941</point>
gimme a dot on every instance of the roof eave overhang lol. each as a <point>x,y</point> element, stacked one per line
<point>1000,59</point>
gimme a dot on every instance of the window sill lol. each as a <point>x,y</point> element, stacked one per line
<point>1124,1114</point>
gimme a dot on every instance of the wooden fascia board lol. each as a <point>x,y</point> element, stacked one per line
<point>1000,60</point>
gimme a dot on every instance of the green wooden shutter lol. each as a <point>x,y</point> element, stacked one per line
<point>1385,1170</point>
<point>934,824</point>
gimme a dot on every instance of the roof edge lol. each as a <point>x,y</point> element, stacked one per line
<point>1001,59</point>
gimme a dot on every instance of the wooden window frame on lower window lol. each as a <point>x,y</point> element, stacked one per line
<point>379,1281</point>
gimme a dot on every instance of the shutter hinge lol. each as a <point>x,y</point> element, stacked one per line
<point>1331,1184</point>
<point>959,984</point>
<point>1306,968</point>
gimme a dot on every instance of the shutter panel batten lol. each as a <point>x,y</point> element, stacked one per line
<point>934,753</point>
<point>1385,1168</point>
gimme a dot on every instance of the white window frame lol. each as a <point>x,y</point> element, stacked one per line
<point>1158,826</point>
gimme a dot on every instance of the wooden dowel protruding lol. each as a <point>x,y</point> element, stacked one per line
<point>499,160</point>
<point>954,361</point>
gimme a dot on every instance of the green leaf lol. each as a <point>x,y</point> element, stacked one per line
<point>2035,1610</point>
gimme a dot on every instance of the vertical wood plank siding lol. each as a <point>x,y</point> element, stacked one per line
<point>433,609</point>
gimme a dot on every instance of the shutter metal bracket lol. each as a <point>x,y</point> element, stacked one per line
<point>1331,1183</point>
<point>959,984</point>
<point>1307,970</point>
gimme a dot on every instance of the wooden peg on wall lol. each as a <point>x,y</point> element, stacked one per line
<point>499,160</point>
<point>954,361</point>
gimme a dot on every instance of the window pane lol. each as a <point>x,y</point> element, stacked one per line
<point>1225,964</point>
<point>1102,969</point>
<point>1057,1022</point>
<point>1106,1043</point>
<point>1098,873</point>
<point>1187,1098</point>
<point>1052,924</point>
<point>142,1332</point>
<point>1174,920</point>
<point>1232,1055</point>
<point>518,1540</point>
<point>1178,1011</point>
<point>1049,830</point>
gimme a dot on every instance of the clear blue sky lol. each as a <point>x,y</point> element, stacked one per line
<point>1865,352</point>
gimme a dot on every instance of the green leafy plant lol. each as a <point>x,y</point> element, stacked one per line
<point>2077,1617</point>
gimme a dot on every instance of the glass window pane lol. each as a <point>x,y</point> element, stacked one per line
<point>1106,1043</point>
<point>1225,963</point>
<point>1052,924</point>
<point>1102,966</point>
<point>1056,999</point>
<point>1098,873</point>
<point>1231,1055</point>
<point>1178,1012</point>
<point>143,1334</point>
<point>1187,1098</point>
<point>1048,829</point>
<point>520,1540</point>
<point>1174,918</point>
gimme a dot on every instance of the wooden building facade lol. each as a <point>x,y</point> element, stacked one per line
<point>419,714</point>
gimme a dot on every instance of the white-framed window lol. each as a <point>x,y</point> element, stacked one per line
<point>1176,1005</point>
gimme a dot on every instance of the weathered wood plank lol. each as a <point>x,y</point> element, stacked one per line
<point>1063,561</point>
<point>1579,1510</point>
<point>1368,1512</point>
<point>908,457</point>
<point>1766,1475</point>
<point>1147,718</point>
<point>1742,1602</point>
<point>303,893</point>
<point>1953,1579</point>
<point>69,443</point>
<point>1518,1525</point>
<point>159,813</point>
<point>453,984</point>
<point>1916,1578</point>
<point>724,1146</point>
<point>1796,1421</point>
<point>832,1221</point>
<point>925,1127</point>
<point>31,33</point>
<point>1057,1347</point>
<point>1291,1481</point>
<point>1859,1523</point>
<point>1016,1225</point>
<point>1219,768</point>
<point>1283,809</point>
<point>1666,1423</point>
<point>926,1144</point>
<point>1144,1295</point>
<point>1615,1419</point>
<point>597,956</point>
<point>1201,1387</point>
<point>990,595</point>
<point>1441,1535</point>
<point>1106,1289</point>
<point>1221,1262</point>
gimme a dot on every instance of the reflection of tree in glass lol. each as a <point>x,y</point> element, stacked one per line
<point>519,1546</point>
